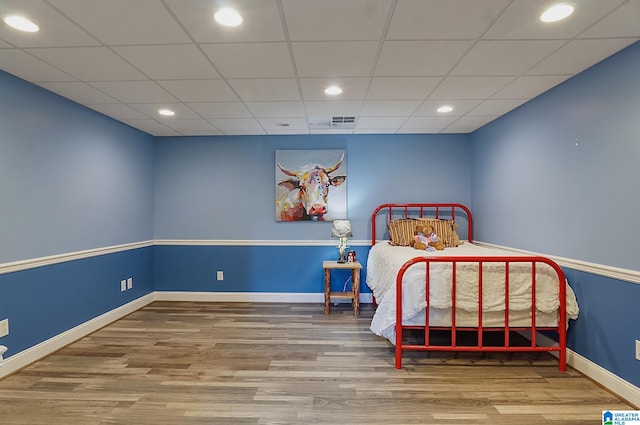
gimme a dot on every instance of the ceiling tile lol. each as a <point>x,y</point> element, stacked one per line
<point>521,20</point>
<point>89,63</point>
<point>432,130</point>
<point>622,22</point>
<point>335,19</point>
<point>220,109</point>
<point>411,58</point>
<point>167,62</point>
<point>152,127</point>
<point>275,89</point>
<point>401,88</point>
<point>144,22</point>
<point>374,131</point>
<point>283,124</point>
<point>352,88</point>
<point>119,111</point>
<point>336,108</point>
<point>30,68</point>
<point>199,90</point>
<point>79,92</point>
<point>276,109</point>
<point>135,91</point>
<point>195,132</point>
<point>579,55</point>
<point>428,122</point>
<point>496,107</point>
<point>505,57</point>
<point>380,122</point>
<point>251,60</point>
<point>467,124</point>
<point>393,108</point>
<point>261,20</point>
<point>182,125</point>
<point>460,107</point>
<point>529,86</point>
<point>182,111</point>
<point>236,124</point>
<point>331,131</point>
<point>55,29</point>
<point>284,131</point>
<point>469,87</point>
<point>335,59</point>
<point>247,132</point>
<point>443,20</point>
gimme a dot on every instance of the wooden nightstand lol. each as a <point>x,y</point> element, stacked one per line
<point>354,295</point>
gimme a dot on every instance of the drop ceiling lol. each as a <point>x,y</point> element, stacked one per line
<point>396,60</point>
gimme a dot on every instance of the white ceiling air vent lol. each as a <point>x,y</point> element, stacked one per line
<point>338,123</point>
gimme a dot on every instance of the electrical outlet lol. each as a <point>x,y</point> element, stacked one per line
<point>130,283</point>
<point>220,275</point>
<point>4,327</point>
<point>637,349</point>
<point>123,285</point>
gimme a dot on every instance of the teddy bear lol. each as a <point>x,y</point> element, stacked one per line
<point>455,239</point>
<point>426,239</point>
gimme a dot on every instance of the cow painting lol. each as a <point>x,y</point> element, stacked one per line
<point>305,191</point>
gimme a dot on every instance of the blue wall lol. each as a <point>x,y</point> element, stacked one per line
<point>560,176</point>
<point>224,187</point>
<point>609,323</point>
<point>43,302</point>
<point>247,268</point>
<point>582,199</point>
<point>70,180</point>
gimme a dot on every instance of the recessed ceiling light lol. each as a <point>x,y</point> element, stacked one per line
<point>445,108</point>
<point>21,23</point>
<point>166,112</point>
<point>557,12</point>
<point>333,90</point>
<point>228,17</point>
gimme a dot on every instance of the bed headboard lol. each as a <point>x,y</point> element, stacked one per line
<point>388,212</point>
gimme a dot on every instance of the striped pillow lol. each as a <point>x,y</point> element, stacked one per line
<point>442,228</point>
<point>401,231</point>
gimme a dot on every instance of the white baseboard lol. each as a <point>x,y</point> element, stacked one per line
<point>258,297</point>
<point>37,352</point>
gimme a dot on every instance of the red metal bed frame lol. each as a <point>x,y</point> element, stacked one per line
<point>419,210</point>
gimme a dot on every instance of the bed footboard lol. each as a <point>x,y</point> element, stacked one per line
<point>479,330</point>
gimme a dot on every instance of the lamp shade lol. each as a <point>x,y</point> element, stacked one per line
<point>341,229</point>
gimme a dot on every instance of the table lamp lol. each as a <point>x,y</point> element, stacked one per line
<point>341,230</point>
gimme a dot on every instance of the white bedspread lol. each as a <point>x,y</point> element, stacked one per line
<point>385,260</point>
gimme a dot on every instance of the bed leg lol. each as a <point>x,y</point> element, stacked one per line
<point>562,360</point>
<point>398,357</point>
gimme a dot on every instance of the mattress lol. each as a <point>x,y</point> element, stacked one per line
<point>385,260</point>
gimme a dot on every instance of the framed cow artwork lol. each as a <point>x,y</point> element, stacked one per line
<point>311,185</point>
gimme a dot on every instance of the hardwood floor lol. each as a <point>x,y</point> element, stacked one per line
<point>255,364</point>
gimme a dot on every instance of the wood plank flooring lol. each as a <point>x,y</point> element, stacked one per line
<point>258,364</point>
